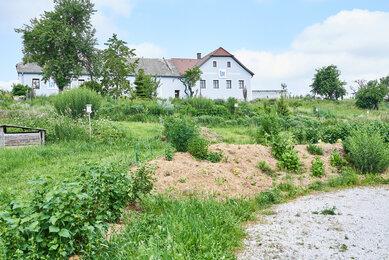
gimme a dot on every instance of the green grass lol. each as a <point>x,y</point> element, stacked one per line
<point>235,134</point>
<point>56,160</point>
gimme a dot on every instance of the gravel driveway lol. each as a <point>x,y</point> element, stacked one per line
<point>299,229</point>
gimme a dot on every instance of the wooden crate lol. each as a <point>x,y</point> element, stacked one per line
<point>28,136</point>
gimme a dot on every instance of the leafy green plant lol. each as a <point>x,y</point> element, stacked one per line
<point>317,167</point>
<point>265,168</point>
<point>20,90</point>
<point>178,131</point>
<point>348,177</point>
<point>336,159</point>
<point>290,161</point>
<point>315,149</point>
<point>215,157</point>
<point>142,180</point>
<point>73,102</point>
<point>198,148</point>
<point>169,152</point>
<point>367,151</point>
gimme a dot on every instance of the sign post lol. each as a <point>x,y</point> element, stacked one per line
<point>89,111</point>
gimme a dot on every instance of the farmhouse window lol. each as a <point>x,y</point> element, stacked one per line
<point>36,84</point>
<point>241,84</point>
<point>215,84</point>
<point>228,64</point>
<point>214,64</point>
<point>228,84</point>
<point>203,84</point>
<point>80,81</point>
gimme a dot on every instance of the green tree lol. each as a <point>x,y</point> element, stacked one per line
<point>189,79</point>
<point>146,85</point>
<point>61,41</point>
<point>20,90</point>
<point>370,95</point>
<point>326,83</point>
<point>116,67</point>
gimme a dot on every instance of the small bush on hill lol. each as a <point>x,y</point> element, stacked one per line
<point>73,102</point>
<point>367,151</point>
<point>336,159</point>
<point>317,167</point>
<point>282,149</point>
<point>215,157</point>
<point>265,168</point>
<point>315,149</point>
<point>179,131</point>
<point>198,148</point>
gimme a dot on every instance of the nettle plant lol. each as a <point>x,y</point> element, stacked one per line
<point>62,219</point>
<point>282,149</point>
<point>317,167</point>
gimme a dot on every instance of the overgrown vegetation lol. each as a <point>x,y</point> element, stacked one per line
<point>315,149</point>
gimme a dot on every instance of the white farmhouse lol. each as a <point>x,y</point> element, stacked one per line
<point>223,76</point>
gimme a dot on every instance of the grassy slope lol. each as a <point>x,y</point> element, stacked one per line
<point>58,160</point>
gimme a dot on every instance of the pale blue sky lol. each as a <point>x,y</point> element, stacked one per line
<point>280,40</point>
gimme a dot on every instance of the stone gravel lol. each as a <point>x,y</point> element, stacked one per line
<point>358,230</point>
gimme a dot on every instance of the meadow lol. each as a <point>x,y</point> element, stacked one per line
<point>128,133</point>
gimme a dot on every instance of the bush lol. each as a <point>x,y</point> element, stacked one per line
<point>367,151</point>
<point>317,167</point>
<point>215,157</point>
<point>20,90</point>
<point>178,131</point>
<point>348,177</point>
<point>290,161</point>
<point>282,107</point>
<point>73,102</point>
<point>68,218</point>
<point>315,149</point>
<point>169,153</point>
<point>94,86</point>
<point>198,148</point>
<point>336,159</point>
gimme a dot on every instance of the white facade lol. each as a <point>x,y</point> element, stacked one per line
<point>227,77</point>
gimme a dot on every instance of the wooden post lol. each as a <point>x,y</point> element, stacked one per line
<point>2,137</point>
<point>90,127</point>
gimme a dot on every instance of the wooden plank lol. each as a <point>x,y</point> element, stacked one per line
<point>2,138</point>
<point>22,139</point>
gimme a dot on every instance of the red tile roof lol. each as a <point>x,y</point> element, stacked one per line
<point>184,64</point>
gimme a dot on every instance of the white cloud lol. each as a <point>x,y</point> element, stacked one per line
<point>147,50</point>
<point>7,85</point>
<point>356,41</point>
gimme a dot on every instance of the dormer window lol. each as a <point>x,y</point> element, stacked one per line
<point>228,64</point>
<point>214,64</point>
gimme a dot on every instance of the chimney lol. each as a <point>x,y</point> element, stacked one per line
<point>199,55</point>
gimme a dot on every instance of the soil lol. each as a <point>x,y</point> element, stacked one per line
<point>236,175</point>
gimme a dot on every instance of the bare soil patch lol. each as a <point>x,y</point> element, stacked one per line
<point>236,175</point>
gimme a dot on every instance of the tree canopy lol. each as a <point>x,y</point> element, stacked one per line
<point>189,80</point>
<point>61,41</point>
<point>146,85</point>
<point>371,94</point>
<point>326,83</point>
<point>116,67</point>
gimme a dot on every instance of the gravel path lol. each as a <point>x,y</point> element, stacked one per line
<point>359,230</point>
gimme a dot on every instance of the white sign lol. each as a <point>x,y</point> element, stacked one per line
<point>88,108</point>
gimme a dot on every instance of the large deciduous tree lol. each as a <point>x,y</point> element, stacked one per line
<point>61,41</point>
<point>117,67</point>
<point>189,80</point>
<point>326,83</point>
<point>371,94</point>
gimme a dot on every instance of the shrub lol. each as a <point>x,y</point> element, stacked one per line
<point>169,153</point>
<point>317,167</point>
<point>282,107</point>
<point>94,86</point>
<point>315,149</point>
<point>367,151</point>
<point>68,218</point>
<point>281,144</point>
<point>336,159</point>
<point>198,148</point>
<point>20,90</point>
<point>73,102</point>
<point>215,157</point>
<point>178,131</point>
<point>265,168</point>
<point>290,161</point>
<point>142,180</point>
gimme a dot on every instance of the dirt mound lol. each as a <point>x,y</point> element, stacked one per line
<point>236,175</point>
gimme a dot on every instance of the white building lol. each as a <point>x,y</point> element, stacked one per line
<point>223,76</point>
